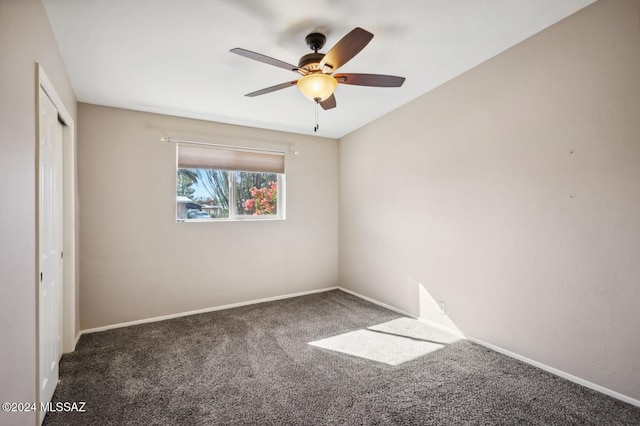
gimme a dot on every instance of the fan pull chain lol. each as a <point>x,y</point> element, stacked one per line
<point>317,126</point>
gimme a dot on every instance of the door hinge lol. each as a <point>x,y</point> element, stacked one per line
<point>62,255</point>
<point>40,276</point>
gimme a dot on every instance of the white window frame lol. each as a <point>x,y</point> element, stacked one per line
<point>240,217</point>
<point>233,193</point>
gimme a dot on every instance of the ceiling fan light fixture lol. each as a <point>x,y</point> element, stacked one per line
<point>317,87</point>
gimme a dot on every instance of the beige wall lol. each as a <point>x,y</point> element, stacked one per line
<point>512,194</point>
<point>136,262</point>
<point>25,38</point>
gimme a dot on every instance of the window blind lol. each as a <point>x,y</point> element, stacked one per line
<point>204,157</point>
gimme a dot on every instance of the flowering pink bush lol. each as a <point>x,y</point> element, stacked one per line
<point>264,200</point>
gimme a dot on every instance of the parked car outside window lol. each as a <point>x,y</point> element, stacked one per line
<point>198,214</point>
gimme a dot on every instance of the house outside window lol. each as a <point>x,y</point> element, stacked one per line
<point>223,184</point>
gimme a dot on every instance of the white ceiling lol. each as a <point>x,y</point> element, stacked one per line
<point>172,57</point>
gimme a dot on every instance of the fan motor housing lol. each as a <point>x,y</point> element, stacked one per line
<point>310,61</point>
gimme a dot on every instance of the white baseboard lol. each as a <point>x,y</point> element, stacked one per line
<point>202,311</point>
<point>558,373</point>
<point>508,353</point>
<point>407,314</point>
<point>376,302</point>
<point>442,327</point>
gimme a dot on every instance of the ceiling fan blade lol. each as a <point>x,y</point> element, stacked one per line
<point>328,103</point>
<point>272,89</point>
<point>376,80</point>
<point>262,58</point>
<point>346,48</point>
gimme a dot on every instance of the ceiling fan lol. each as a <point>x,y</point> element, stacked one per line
<point>318,80</point>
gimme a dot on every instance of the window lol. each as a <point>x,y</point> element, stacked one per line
<point>216,183</point>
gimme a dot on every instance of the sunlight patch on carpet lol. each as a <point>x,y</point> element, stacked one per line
<point>415,329</point>
<point>386,344</point>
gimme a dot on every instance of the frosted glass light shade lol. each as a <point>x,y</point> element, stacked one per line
<point>317,87</point>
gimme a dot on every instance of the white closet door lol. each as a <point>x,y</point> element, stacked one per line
<point>50,246</point>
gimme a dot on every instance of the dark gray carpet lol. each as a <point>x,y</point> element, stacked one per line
<point>252,365</point>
